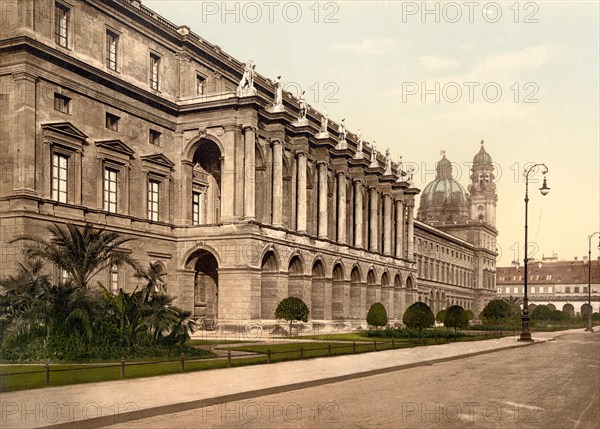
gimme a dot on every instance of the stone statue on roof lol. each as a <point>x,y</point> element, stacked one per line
<point>247,80</point>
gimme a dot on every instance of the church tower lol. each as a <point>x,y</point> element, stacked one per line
<point>482,189</point>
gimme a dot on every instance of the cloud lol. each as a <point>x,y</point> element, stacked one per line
<point>432,62</point>
<point>512,63</point>
<point>366,47</point>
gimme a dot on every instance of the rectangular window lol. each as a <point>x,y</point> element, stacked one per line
<point>64,276</point>
<point>61,24</point>
<point>112,41</point>
<point>59,177</point>
<point>110,190</point>
<point>196,208</point>
<point>114,279</point>
<point>154,138</point>
<point>112,122</point>
<point>62,103</point>
<point>154,65</point>
<point>200,81</point>
<point>153,196</point>
<point>532,289</point>
<point>567,289</point>
<point>515,289</point>
<point>576,289</point>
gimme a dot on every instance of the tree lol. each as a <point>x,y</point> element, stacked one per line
<point>541,313</point>
<point>497,312</point>
<point>81,252</point>
<point>456,317</point>
<point>377,315</point>
<point>439,317</point>
<point>515,303</point>
<point>73,318</point>
<point>419,316</point>
<point>291,309</point>
<point>470,315</point>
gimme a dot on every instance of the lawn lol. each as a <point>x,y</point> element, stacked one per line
<point>63,374</point>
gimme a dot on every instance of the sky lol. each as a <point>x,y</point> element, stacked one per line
<point>421,78</point>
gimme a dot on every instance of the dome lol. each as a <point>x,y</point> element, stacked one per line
<point>443,192</point>
<point>482,157</point>
<point>444,199</point>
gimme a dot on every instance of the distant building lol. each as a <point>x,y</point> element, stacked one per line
<point>561,285</point>
<point>455,233</point>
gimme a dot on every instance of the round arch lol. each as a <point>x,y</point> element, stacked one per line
<point>205,265</point>
<point>269,248</point>
<point>193,145</point>
<point>189,255</point>
<point>318,310</point>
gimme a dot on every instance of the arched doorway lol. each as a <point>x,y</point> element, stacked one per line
<point>585,310</point>
<point>206,283</point>
<point>569,309</point>
<point>386,293</point>
<point>318,291</point>
<point>338,284</point>
<point>269,296</point>
<point>295,276</point>
<point>371,289</point>
<point>355,292</point>
<point>206,184</point>
<point>397,297</point>
<point>159,272</point>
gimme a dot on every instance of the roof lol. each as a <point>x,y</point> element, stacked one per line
<point>568,272</point>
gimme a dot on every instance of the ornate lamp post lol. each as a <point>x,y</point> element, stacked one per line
<point>525,334</point>
<point>589,327</point>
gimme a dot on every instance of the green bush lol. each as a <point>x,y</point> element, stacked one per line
<point>377,315</point>
<point>418,316</point>
<point>75,320</point>
<point>404,332</point>
<point>499,313</point>
<point>541,313</point>
<point>456,317</point>
<point>439,317</point>
<point>292,308</point>
<point>470,315</point>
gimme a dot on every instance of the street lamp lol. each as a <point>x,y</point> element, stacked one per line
<point>589,327</point>
<point>525,334</point>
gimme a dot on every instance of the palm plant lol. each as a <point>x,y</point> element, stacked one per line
<point>81,252</point>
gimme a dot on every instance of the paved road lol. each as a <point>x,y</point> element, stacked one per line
<point>555,385</point>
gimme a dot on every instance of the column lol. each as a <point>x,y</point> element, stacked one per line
<point>358,214</point>
<point>301,193</point>
<point>387,224</point>
<point>21,127</point>
<point>341,218</point>
<point>322,228</point>
<point>399,229</point>
<point>373,219</point>
<point>411,233</point>
<point>277,183</point>
<point>249,179</point>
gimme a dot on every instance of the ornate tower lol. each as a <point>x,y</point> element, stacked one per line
<point>482,189</point>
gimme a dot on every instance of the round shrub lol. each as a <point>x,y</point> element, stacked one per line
<point>418,316</point>
<point>377,315</point>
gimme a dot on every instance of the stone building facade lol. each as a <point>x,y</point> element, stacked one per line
<point>242,195</point>
<point>561,285</point>
<point>455,246</point>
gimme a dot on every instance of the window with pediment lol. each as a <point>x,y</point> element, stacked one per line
<point>63,151</point>
<point>115,163</point>
<point>158,169</point>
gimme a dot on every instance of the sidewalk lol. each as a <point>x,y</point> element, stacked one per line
<point>101,404</point>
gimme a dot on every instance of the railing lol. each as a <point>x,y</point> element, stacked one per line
<point>302,353</point>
